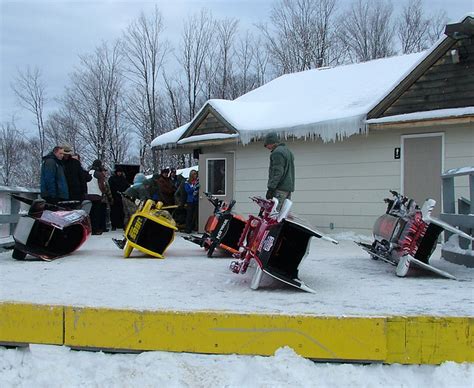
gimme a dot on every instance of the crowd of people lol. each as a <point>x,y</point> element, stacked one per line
<point>113,199</point>
<point>64,179</point>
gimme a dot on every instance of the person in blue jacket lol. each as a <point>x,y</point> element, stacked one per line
<point>53,181</point>
<point>192,198</point>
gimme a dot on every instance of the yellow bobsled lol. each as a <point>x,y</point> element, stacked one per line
<point>151,230</point>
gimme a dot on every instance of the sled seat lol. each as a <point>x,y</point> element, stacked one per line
<point>285,247</point>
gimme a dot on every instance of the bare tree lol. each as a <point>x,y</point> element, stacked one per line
<point>366,29</point>
<point>226,34</point>
<point>11,146</point>
<point>31,93</point>
<point>261,63</point>
<point>145,51</point>
<point>436,27</point>
<point>94,96</point>
<point>196,43</point>
<point>412,28</point>
<point>300,35</point>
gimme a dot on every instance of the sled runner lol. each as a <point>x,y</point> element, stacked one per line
<point>277,243</point>
<point>50,231</point>
<point>223,229</point>
<point>150,230</point>
<point>406,236</point>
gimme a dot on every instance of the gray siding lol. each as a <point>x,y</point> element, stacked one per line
<point>344,183</point>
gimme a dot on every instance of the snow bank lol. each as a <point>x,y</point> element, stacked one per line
<point>53,366</point>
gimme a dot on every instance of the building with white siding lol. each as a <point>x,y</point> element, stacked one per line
<point>356,132</point>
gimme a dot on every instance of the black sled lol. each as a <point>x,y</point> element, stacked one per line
<point>50,231</point>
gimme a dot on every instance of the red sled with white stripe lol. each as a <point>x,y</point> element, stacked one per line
<point>406,236</point>
<point>277,243</point>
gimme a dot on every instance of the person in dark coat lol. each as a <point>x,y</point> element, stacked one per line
<point>53,182</point>
<point>74,173</point>
<point>118,184</point>
<point>178,184</point>
<point>166,188</point>
<point>96,190</point>
<point>281,172</point>
<point>85,174</point>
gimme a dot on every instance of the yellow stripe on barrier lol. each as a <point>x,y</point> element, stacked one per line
<point>30,323</point>
<point>325,338</point>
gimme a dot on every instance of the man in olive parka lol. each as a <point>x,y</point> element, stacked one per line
<point>281,172</point>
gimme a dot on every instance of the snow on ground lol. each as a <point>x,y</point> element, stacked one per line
<point>347,282</point>
<point>55,366</point>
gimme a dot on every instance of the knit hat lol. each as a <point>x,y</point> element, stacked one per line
<point>139,178</point>
<point>270,138</point>
<point>97,164</point>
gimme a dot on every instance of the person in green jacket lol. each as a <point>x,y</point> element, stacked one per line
<point>281,172</point>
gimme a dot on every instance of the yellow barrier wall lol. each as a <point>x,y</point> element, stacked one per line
<point>30,323</point>
<point>226,333</point>
<point>405,340</point>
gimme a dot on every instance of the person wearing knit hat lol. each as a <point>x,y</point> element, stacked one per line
<point>118,184</point>
<point>281,171</point>
<point>96,192</point>
<point>138,191</point>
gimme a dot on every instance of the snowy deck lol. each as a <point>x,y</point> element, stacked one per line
<point>188,303</point>
<point>346,280</point>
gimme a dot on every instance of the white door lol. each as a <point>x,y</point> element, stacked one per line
<point>422,168</point>
<point>216,176</point>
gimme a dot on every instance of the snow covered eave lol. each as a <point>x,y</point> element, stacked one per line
<point>432,117</point>
<point>208,139</point>
<point>169,139</point>
<point>327,131</point>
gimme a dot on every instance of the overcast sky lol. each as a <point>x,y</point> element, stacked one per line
<point>51,34</point>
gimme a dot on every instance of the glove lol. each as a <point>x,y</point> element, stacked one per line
<point>270,194</point>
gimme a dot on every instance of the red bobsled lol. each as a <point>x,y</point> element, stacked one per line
<point>406,236</point>
<point>277,242</point>
<point>222,230</point>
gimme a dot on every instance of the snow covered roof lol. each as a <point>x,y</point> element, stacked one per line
<point>325,102</point>
<point>329,103</point>
<point>432,114</point>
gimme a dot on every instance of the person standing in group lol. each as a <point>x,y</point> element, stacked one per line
<point>138,191</point>
<point>166,187</point>
<point>74,175</point>
<point>85,174</point>
<point>53,182</point>
<point>281,172</point>
<point>118,184</point>
<point>192,197</point>
<point>178,183</point>
<point>95,192</point>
